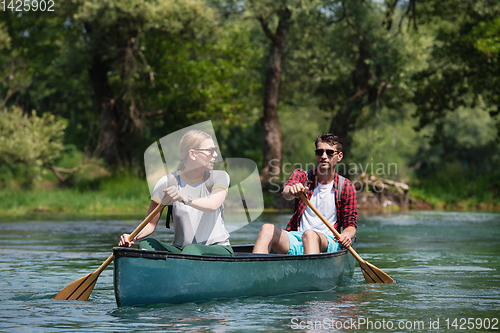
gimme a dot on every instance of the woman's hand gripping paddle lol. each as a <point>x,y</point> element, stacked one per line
<point>82,288</point>
<point>372,274</point>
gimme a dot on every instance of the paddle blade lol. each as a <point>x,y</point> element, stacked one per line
<point>79,289</point>
<point>373,274</point>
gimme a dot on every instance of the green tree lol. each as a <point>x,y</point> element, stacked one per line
<point>465,64</point>
<point>362,63</point>
<point>123,71</point>
<point>279,21</point>
<point>13,74</point>
<point>112,38</point>
<point>32,141</point>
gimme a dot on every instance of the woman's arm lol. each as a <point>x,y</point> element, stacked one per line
<point>148,230</point>
<point>209,204</point>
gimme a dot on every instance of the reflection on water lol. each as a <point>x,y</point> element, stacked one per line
<point>445,264</point>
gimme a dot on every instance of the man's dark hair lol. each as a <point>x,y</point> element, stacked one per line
<point>329,138</point>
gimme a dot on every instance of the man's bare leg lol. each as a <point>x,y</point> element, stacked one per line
<point>271,237</point>
<point>314,242</point>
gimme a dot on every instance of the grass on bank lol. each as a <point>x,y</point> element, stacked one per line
<point>455,187</point>
<point>110,195</point>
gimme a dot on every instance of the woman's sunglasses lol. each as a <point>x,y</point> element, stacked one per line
<point>329,152</point>
<point>210,150</point>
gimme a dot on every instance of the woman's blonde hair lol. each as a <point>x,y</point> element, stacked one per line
<point>192,139</point>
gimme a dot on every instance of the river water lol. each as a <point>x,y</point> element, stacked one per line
<point>445,263</point>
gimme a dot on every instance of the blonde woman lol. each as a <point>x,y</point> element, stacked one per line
<point>197,192</point>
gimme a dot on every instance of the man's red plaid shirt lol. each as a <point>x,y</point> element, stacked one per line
<point>347,212</point>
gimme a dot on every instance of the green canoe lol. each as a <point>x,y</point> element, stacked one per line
<point>146,277</point>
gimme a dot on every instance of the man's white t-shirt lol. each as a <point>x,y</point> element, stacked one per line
<point>190,224</point>
<point>323,198</point>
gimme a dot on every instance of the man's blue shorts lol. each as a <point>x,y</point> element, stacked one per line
<point>296,247</point>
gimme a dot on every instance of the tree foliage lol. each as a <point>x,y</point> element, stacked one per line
<point>464,67</point>
<point>33,140</point>
<point>487,36</point>
<point>358,63</point>
<point>124,73</point>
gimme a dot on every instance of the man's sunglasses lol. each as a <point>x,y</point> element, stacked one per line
<point>329,152</point>
<point>210,150</point>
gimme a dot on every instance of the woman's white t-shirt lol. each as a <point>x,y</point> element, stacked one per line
<point>190,224</point>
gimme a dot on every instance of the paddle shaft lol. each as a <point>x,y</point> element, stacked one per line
<point>145,222</point>
<point>304,198</point>
<point>371,273</point>
<point>81,288</point>
<point>131,236</point>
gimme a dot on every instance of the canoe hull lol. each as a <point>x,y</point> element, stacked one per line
<point>146,277</point>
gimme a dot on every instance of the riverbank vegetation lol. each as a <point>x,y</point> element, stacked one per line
<point>411,88</point>
<point>451,188</point>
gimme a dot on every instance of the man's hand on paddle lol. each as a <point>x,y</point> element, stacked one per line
<point>345,240</point>
<point>297,189</point>
<point>346,236</point>
<point>293,191</point>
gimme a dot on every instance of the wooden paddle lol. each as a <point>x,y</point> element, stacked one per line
<point>371,273</point>
<point>82,288</point>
